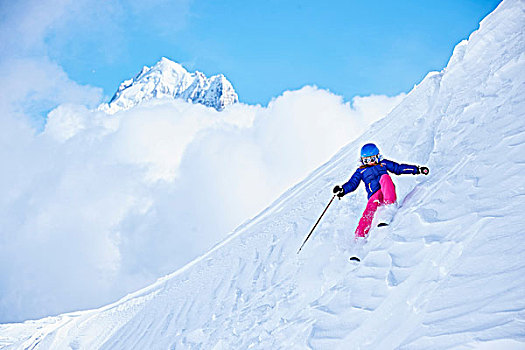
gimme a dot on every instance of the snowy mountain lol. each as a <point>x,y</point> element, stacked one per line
<point>168,79</point>
<point>448,273</point>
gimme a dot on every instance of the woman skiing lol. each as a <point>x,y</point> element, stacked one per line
<point>379,186</point>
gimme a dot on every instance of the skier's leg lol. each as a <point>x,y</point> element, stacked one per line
<point>388,188</point>
<point>368,214</point>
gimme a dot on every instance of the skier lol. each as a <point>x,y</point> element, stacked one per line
<point>379,185</point>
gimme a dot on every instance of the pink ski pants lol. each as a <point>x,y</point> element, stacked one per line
<point>385,195</point>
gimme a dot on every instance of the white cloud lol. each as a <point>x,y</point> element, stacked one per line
<point>97,206</point>
<point>35,85</point>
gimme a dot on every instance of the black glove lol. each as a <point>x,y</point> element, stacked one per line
<point>339,191</point>
<point>423,170</point>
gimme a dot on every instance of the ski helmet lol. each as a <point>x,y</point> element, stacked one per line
<point>369,150</point>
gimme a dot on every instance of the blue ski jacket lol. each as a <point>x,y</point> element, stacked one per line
<point>371,174</point>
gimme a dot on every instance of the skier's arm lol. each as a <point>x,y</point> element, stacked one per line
<point>399,169</point>
<point>352,184</point>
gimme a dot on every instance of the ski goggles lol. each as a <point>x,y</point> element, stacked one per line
<point>370,160</point>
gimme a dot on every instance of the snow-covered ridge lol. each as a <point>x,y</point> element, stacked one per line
<point>168,79</point>
<point>448,273</point>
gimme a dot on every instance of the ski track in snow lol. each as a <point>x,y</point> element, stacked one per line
<point>449,272</point>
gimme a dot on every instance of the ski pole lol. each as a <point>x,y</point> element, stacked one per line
<point>313,228</point>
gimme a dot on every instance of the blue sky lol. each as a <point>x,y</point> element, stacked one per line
<point>267,47</point>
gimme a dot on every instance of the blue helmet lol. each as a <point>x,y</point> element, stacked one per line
<point>369,150</point>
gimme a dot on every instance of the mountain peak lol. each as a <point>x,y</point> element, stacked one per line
<point>169,79</point>
<point>166,64</point>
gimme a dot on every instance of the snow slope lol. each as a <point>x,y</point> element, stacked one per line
<point>168,79</point>
<point>449,272</point>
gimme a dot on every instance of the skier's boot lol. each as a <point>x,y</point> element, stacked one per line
<point>384,215</point>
